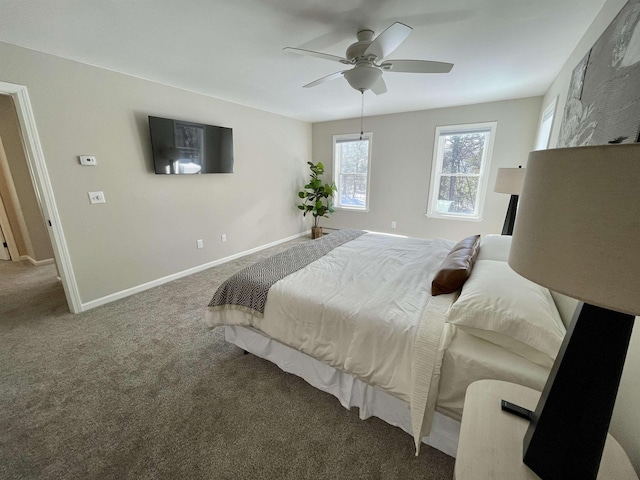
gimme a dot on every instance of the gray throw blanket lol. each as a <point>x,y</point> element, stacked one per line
<point>247,290</point>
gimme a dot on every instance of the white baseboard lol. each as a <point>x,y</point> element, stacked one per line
<point>169,278</point>
<point>37,263</point>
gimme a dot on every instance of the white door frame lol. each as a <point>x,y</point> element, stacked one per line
<point>44,191</point>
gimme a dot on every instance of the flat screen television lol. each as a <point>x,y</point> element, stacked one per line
<point>187,148</point>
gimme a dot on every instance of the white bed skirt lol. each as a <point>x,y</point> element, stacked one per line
<point>350,391</point>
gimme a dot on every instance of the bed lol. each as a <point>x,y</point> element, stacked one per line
<point>358,315</point>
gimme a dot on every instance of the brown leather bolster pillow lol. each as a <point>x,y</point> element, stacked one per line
<point>456,267</point>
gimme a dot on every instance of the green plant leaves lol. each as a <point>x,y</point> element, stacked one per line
<point>316,194</point>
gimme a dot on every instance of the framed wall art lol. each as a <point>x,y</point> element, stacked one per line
<point>603,103</point>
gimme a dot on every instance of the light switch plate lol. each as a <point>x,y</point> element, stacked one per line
<point>96,197</point>
<point>88,160</point>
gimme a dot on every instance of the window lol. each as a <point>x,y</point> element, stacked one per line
<point>461,157</point>
<point>351,162</point>
<point>544,132</point>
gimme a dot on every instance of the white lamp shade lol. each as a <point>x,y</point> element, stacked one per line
<point>509,180</point>
<point>578,225</point>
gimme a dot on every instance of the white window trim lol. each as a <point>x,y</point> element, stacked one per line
<point>335,173</point>
<point>550,110</point>
<point>436,168</point>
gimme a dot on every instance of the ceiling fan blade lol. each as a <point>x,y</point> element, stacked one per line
<point>311,53</point>
<point>389,40</point>
<point>324,79</point>
<point>379,87</point>
<point>416,66</point>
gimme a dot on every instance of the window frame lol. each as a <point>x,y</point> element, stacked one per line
<point>550,111</point>
<point>437,163</point>
<point>336,170</point>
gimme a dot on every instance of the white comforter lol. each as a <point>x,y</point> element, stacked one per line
<point>364,308</point>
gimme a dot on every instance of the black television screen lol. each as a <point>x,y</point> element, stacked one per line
<point>182,148</point>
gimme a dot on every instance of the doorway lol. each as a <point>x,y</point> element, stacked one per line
<point>43,190</point>
<point>8,247</point>
<point>4,247</point>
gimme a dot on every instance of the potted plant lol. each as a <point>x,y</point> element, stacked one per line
<point>317,198</point>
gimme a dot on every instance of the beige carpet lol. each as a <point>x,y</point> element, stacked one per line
<point>141,389</point>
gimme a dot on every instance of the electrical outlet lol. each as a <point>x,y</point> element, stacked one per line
<point>88,160</point>
<point>223,237</point>
<point>96,197</point>
<point>393,224</point>
<point>199,243</point>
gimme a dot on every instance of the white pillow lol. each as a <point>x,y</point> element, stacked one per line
<point>502,307</point>
<point>495,247</point>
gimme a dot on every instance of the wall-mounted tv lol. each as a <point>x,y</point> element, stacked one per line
<point>187,148</point>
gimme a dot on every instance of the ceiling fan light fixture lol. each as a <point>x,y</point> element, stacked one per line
<point>363,77</point>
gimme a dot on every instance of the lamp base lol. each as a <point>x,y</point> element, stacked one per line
<point>510,219</point>
<point>569,427</point>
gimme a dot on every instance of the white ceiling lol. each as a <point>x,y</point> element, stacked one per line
<point>232,49</point>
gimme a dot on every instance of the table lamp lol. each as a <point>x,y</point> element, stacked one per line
<point>578,233</point>
<point>509,180</point>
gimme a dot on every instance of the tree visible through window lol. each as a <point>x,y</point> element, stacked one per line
<point>351,156</point>
<point>461,158</point>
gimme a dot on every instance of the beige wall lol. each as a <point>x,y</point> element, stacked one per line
<point>625,425</point>
<point>402,151</point>
<point>28,207</point>
<point>149,226</point>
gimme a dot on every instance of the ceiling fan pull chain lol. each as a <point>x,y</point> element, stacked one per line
<point>362,117</point>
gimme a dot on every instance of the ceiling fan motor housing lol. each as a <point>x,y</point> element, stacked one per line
<point>364,75</point>
<point>355,50</point>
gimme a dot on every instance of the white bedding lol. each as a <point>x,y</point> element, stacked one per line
<point>365,309</point>
<point>469,358</point>
<point>338,311</point>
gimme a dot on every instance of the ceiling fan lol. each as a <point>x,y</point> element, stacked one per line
<point>368,54</point>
